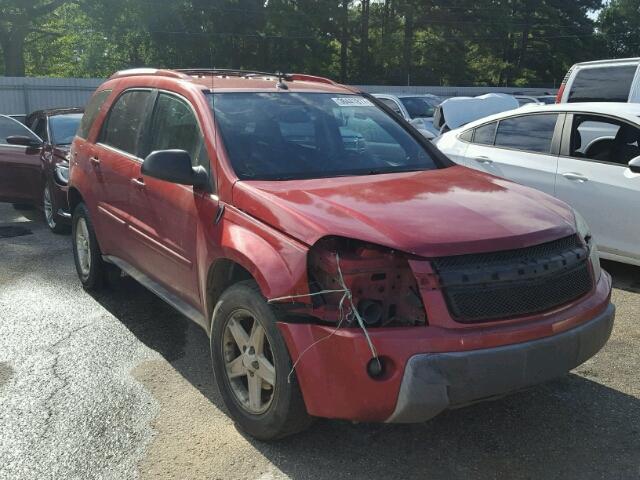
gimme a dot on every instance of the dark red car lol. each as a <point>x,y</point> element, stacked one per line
<point>342,266</point>
<point>34,167</point>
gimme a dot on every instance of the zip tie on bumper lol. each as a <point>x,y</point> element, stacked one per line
<point>354,311</point>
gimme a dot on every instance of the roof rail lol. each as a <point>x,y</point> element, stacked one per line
<point>224,72</point>
<point>134,72</point>
<point>302,77</point>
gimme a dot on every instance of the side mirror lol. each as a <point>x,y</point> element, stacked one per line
<point>24,141</point>
<point>634,165</point>
<point>174,166</point>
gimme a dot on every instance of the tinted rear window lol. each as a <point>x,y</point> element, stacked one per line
<point>63,128</point>
<point>126,119</point>
<point>485,134</point>
<point>531,133</point>
<point>602,84</point>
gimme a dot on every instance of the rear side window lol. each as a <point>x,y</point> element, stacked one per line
<point>174,126</point>
<point>602,84</point>
<point>485,134</point>
<point>126,120</point>
<point>10,128</point>
<point>91,112</point>
<point>531,133</point>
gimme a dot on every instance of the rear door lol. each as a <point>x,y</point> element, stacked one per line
<point>165,219</point>
<point>20,167</point>
<point>594,178</point>
<point>522,149</point>
<point>112,160</point>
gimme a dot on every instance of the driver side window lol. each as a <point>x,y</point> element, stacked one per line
<point>604,139</point>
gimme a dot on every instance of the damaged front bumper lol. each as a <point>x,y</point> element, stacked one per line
<point>431,368</point>
<point>434,382</point>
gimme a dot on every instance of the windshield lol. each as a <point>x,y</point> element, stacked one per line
<point>420,107</point>
<point>63,128</point>
<point>282,136</point>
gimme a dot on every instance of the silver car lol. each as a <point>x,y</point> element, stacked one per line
<point>415,109</point>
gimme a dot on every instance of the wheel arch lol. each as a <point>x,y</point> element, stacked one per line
<point>74,197</point>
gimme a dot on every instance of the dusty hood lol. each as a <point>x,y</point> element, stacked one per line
<point>434,213</point>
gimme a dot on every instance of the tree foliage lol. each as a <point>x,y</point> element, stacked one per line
<point>463,42</point>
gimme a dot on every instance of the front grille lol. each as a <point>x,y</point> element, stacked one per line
<point>507,284</point>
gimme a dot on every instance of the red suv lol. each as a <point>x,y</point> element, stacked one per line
<point>341,265</point>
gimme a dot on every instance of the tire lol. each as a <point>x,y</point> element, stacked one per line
<point>51,217</point>
<point>283,412</point>
<point>86,252</point>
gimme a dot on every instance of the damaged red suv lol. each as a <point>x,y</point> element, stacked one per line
<point>341,265</point>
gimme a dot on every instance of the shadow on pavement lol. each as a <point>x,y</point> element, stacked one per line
<point>569,428</point>
<point>625,277</point>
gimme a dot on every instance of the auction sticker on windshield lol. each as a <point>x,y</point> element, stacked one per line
<point>352,102</point>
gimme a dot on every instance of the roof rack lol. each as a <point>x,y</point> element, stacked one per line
<point>225,71</point>
<point>184,73</point>
<point>133,72</point>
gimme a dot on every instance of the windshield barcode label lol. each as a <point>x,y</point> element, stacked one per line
<point>352,102</point>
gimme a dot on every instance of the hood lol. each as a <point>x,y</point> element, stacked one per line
<point>443,212</point>
<point>458,111</point>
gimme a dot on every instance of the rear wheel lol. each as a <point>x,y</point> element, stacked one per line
<point>86,253</point>
<point>252,365</point>
<point>50,211</point>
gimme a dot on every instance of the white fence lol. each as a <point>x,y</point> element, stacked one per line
<point>19,96</point>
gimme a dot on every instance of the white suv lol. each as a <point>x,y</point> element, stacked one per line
<point>602,81</point>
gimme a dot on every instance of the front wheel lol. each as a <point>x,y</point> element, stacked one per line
<point>50,211</point>
<point>252,364</point>
<point>86,252</point>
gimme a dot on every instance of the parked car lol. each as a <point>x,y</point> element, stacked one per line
<point>538,100</point>
<point>526,100</point>
<point>457,111</point>
<point>34,164</point>
<point>415,109</point>
<point>585,154</point>
<point>602,81</point>
<point>377,283</point>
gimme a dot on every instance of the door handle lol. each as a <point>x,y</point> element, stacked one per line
<point>138,182</point>
<point>575,177</point>
<point>484,160</point>
<point>95,161</point>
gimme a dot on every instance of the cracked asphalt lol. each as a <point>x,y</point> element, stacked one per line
<point>119,386</point>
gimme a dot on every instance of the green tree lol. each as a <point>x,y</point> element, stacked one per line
<point>619,25</point>
<point>19,19</point>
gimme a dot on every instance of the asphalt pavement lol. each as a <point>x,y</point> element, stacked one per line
<point>119,385</point>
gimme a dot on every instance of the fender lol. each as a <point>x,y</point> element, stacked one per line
<point>277,262</point>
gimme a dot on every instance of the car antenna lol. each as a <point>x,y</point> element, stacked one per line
<point>281,80</point>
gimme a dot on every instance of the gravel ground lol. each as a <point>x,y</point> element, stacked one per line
<point>119,385</point>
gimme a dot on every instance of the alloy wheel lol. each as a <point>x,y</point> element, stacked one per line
<point>249,363</point>
<point>83,247</point>
<point>48,207</point>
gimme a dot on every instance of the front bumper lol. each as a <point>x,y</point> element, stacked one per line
<point>435,382</point>
<point>335,384</point>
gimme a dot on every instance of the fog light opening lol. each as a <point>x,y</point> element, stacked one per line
<point>376,367</point>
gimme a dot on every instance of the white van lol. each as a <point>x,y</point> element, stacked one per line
<point>602,81</point>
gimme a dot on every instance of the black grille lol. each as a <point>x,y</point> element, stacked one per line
<point>500,285</point>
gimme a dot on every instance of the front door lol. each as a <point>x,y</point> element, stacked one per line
<point>20,167</point>
<point>595,179</point>
<point>166,219</point>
